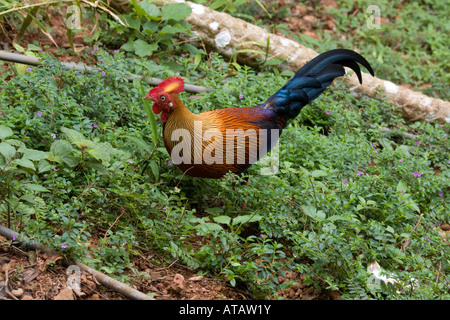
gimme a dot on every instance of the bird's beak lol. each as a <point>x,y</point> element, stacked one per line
<point>147,98</point>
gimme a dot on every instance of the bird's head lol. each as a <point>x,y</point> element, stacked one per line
<point>164,96</point>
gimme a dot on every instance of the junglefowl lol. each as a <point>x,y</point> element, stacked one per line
<point>213,143</point>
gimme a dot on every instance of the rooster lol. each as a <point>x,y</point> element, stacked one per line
<point>213,143</point>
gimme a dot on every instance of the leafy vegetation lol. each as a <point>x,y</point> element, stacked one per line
<point>149,27</point>
<point>84,171</point>
<point>410,35</point>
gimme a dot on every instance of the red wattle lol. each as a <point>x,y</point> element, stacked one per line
<point>156,109</point>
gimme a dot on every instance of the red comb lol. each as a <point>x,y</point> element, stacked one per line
<point>170,85</point>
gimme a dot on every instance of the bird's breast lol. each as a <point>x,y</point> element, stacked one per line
<point>213,143</point>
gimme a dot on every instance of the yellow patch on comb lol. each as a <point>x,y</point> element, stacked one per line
<point>172,85</point>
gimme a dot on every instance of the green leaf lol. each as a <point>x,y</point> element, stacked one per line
<point>77,138</point>
<point>305,171</point>
<point>222,219</point>
<point>61,152</point>
<point>13,201</point>
<point>402,186</point>
<point>21,68</point>
<point>34,155</point>
<point>61,148</point>
<point>18,47</point>
<point>129,46</point>
<point>254,51</point>
<point>148,111</point>
<point>94,164</point>
<point>208,227</point>
<point>217,4</point>
<point>44,166</point>
<point>155,169</point>
<point>101,151</point>
<point>287,73</point>
<point>192,49</point>
<point>175,11</point>
<point>264,8</point>
<point>150,9</point>
<point>414,206</point>
<point>214,211</point>
<point>24,163</point>
<point>140,143</point>
<point>14,142</point>
<point>29,198</point>
<point>32,47</point>
<point>320,215</point>
<point>5,132</point>
<point>315,214</point>
<point>337,217</point>
<point>321,185</point>
<point>273,62</point>
<point>70,37</point>
<point>25,209</point>
<point>35,187</point>
<point>142,48</point>
<point>405,235</point>
<point>363,201</point>
<point>172,29</point>
<point>385,143</point>
<point>197,60</point>
<point>246,219</point>
<point>150,27</point>
<point>7,150</point>
<point>310,211</point>
<point>318,173</point>
<point>390,229</point>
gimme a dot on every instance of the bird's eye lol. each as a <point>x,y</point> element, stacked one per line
<point>162,98</point>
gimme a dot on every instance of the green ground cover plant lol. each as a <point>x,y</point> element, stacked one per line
<point>410,35</point>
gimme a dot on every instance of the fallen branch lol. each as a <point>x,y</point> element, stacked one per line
<point>34,61</point>
<point>103,279</point>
